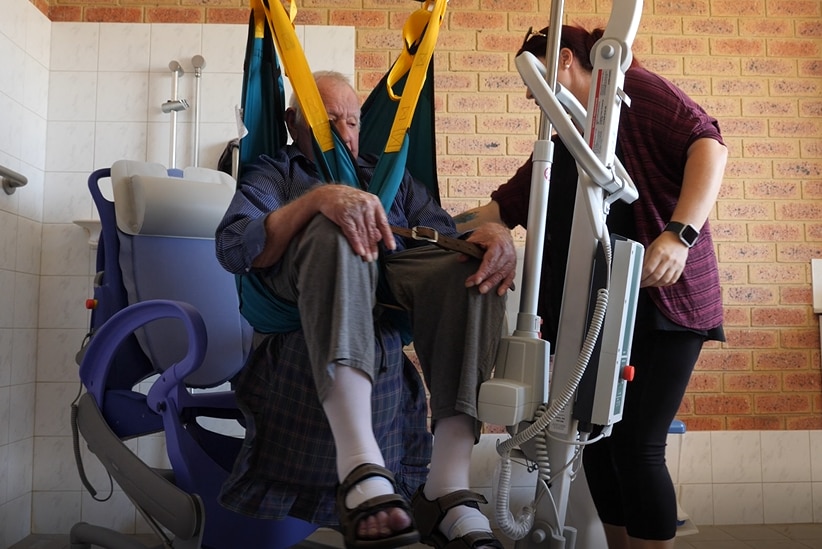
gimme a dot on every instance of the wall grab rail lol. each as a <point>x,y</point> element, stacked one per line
<point>11,179</point>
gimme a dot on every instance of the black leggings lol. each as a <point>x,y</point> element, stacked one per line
<point>626,472</point>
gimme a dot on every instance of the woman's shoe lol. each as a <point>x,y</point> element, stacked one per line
<point>429,514</point>
<point>350,518</point>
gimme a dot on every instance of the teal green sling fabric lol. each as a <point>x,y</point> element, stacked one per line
<point>266,312</point>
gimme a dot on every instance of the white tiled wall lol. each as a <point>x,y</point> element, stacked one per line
<point>24,76</point>
<point>749,477</point>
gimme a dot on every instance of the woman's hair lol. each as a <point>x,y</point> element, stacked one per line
<point>576,39</point>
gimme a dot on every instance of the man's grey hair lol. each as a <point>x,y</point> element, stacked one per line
<point>318,75</point>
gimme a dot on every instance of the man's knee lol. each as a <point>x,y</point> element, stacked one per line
<point>322,242</point>
<point>325,251</point>
<point>323,232</point>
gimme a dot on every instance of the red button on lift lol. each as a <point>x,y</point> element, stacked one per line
<point>628,373</point>
<point>91,304</point>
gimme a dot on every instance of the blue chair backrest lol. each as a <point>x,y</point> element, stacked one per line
<point>166,251</point>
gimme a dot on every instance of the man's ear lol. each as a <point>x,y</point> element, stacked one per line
<point>290,117</point>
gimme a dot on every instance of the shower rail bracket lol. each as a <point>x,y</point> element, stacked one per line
<point>11,180</point>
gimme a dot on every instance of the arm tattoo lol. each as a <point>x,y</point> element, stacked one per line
<point>465,217</point>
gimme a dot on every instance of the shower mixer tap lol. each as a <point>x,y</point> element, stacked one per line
<point>174,106</point>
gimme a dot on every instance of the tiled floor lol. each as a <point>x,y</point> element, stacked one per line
<point>779,536</point>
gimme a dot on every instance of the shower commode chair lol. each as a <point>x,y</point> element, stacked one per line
<point>167,317</point>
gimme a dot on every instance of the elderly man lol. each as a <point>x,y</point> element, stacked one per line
<point>328,251</point>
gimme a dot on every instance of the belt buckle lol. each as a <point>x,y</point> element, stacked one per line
<point>415,234</point>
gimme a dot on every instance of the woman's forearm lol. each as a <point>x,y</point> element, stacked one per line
<point>473,218</point>
<point>702,179</point>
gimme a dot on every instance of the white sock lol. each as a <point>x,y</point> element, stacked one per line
<point>449,472</point>
<point>367,489</point>
<point>348,409</point>
<point>463,519</point>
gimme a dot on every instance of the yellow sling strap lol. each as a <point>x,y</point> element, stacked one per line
<point>259,18</point>
<point>296,68</point>
<point>420,34</point>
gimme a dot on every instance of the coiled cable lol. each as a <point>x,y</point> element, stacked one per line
<point>517,528</point>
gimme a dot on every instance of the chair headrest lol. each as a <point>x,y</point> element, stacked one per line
<point>149,202</point>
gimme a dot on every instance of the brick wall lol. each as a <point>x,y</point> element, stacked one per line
<point>754,64</point>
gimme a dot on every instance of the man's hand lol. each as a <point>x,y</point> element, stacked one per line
<point>499,263</point>
<point>664,261</point>
<point>359,215</point>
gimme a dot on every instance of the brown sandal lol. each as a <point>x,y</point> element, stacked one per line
<point>429,514</point>
<point>350,518</point>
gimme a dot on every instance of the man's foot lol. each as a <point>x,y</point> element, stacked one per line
<point>444,524</point>
<point>383,521</point>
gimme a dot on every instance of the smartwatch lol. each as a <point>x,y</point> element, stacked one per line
<point>687,233</point>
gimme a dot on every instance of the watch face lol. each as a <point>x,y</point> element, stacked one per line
<point>689,235</point>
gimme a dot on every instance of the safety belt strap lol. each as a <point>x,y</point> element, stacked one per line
<point>433,236</point>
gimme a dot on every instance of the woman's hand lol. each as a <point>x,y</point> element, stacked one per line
<point>664,261</point>
<point>499,263</point>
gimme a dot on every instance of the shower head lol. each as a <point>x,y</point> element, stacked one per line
<point>175,66</point>
<point>198,61</point>
<point>174,106</point>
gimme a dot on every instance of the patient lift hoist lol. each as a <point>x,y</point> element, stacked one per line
<point>543,417</point>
